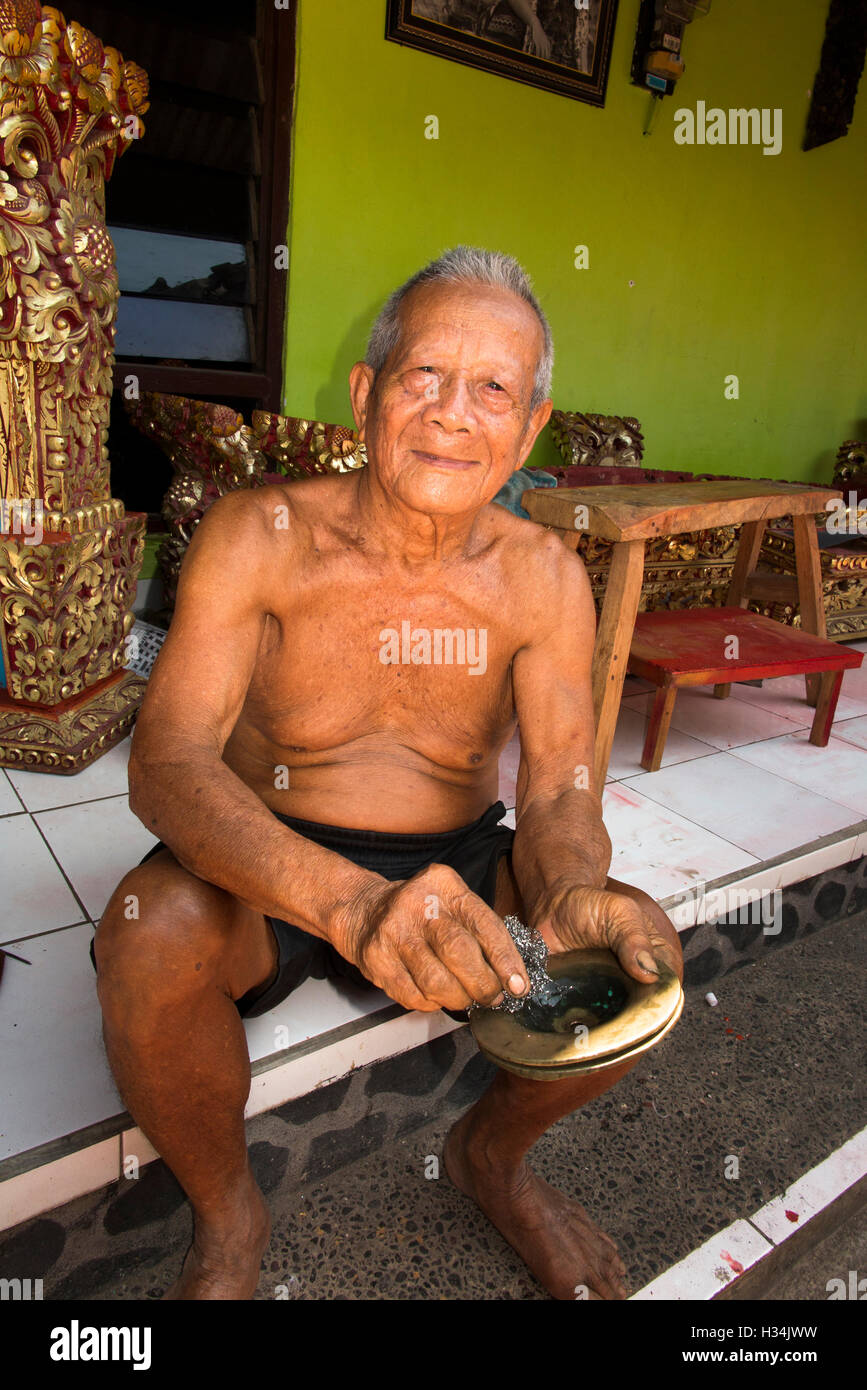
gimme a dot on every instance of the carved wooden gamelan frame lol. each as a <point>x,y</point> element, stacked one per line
<point>68,107</point>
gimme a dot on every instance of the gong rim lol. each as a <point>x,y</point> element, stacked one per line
<point>557,1073</point>
<point>648,1013</point>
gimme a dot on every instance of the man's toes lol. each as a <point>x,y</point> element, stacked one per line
<point>616,1281</point>
<point>607,1275</point>
<point>610,1288</point>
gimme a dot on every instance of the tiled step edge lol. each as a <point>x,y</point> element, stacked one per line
<point>725,923</point>
<point>73,1165</point>
<point>691,906</point>
<point>743,1260</point>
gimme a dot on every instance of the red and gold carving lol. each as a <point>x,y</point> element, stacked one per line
<point>213,451</point>
<point>68,107</point>
<point>302,448</point>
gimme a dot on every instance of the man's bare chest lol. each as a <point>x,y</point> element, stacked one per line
<point>362,659</point>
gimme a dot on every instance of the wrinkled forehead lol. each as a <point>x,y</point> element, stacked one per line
<point>470,320</point>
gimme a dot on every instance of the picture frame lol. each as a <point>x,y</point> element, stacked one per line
<point>565,49</point>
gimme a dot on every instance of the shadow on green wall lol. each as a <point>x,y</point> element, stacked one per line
<point>332,396</point>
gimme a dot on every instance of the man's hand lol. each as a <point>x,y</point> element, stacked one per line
<point>431,943</point>
<point>577,917</point>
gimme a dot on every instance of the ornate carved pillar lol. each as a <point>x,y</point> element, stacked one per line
<point>69,554</point>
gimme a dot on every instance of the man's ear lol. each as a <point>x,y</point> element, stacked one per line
<point>535,425</point>
<point>361,380</point>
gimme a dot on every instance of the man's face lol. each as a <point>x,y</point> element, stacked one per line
<point>449,420</point>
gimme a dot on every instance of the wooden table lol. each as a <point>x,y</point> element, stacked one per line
<point>631,514</point>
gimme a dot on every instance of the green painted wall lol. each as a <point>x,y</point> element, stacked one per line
<point>740,262</point>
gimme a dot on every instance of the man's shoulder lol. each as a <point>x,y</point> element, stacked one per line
<point>547,580</point>
<point>529,544</point>
<point>273,510</point>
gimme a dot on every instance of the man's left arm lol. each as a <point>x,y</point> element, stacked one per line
<point>561,852</point>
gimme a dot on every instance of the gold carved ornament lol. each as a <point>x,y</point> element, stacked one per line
<point>68,107</point>
<point>302,448</point>
<point>213,451</point>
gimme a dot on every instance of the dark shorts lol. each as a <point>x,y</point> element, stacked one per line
<point>473,851</point>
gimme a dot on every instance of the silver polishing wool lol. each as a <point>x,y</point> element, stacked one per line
<point>534,954</point>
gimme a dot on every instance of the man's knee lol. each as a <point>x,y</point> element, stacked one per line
<point>158,918</point>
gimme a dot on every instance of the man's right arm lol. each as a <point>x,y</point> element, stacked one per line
<point>216,826</point>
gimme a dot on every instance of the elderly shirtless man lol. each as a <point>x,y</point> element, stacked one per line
<point>325,791</point>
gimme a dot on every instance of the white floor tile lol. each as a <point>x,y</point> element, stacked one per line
<point>625,760</point>
<point>10,805</point>
<point>96,843</point>
<point>837,772</point>
<point>852,731</point>
<point>315,1007</point>
<point>36,897</point>
<point>722,723</point>
<point>658,850</point>
<point>54,1077</point>
<point>106,777</point>
<point>855,683</point>
<point>786,696</point>
<point>743,804</point>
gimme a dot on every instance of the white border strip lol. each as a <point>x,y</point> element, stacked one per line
<point>734,1250</point>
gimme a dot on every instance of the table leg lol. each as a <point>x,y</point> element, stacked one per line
<point>826,705</point>
<point>657,729</point>
<point>808,568</point>
<point>613,640</point>
<point>746,559</point>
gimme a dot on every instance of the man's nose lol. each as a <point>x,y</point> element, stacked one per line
<point>452,406</point>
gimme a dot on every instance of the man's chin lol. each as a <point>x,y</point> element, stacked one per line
<point>448,501</point>
<point>447,494</point>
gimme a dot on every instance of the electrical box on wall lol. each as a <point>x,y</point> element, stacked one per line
<point>657,61</point>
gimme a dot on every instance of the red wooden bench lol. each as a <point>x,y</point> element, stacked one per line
<point>713,646</point>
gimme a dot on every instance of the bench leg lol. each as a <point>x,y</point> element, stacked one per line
<point>657,729</point>
<point>721,692</point>
<point>826,706</point>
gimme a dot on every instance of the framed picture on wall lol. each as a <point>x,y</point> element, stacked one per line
<point>563,46</point>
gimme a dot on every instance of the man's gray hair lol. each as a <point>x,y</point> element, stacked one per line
<point>465,265</point>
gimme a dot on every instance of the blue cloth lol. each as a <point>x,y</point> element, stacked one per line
<point>510,495</point>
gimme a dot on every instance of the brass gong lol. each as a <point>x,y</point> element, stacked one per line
<point>592,1015</point>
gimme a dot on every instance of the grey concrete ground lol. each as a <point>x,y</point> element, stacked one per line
<point>773,1076</point>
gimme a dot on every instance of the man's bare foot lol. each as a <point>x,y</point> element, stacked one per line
<point>568,1253</point>
<point>225,1258</point>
